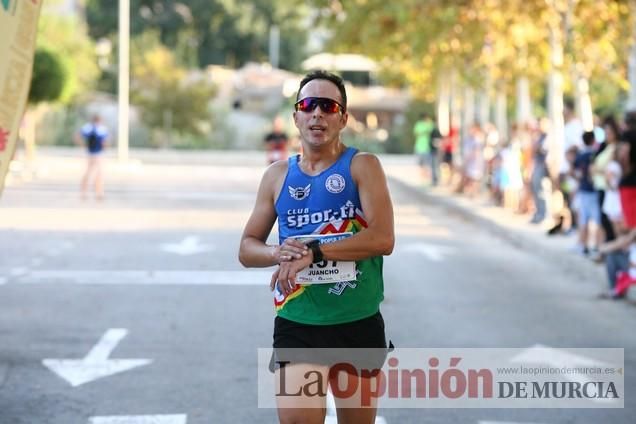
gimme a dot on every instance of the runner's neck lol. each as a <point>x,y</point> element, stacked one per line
<point>314,162</point>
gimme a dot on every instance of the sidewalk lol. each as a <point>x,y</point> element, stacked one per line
<point>503,223</point>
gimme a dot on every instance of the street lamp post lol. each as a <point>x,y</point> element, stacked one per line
<point>124,80</point>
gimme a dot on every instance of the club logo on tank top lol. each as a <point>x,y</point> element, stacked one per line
<point>298,218</point>
<point>299,193</point>
<point>335,183</point>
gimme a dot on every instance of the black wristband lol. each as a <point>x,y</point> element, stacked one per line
<point>314,246</point>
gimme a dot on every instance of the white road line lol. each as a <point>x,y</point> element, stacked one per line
<point>139,194</point>
<point>18,271</point>
<point>141,419</point>
<point>144,277</point>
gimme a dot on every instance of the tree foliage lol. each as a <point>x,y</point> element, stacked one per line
<point>203,32</point>
<point>419,41</point>
<point>165,92</point>
<point>49,77</point>
<point>67,37</point>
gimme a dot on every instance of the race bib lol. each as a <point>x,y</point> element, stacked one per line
<point>327,271</point>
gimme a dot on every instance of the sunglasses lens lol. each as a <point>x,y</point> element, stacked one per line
<point>308,104</point>
<point>329,106</point>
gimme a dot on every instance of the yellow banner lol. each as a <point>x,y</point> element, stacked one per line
<point>19,21</point>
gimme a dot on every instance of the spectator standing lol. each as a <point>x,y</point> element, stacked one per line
<point>539,171</point>
<point>589,214</point>
<point>94,135</point>
<point>276,142</point>
<point>422,131</point>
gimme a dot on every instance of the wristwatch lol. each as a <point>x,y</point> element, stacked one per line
<point>314,246</point>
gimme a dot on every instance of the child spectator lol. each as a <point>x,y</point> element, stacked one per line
<point>589,213</point>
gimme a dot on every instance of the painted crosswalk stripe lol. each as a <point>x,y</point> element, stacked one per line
<point>146,277</point>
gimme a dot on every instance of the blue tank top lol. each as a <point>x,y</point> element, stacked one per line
<point>327,203</point>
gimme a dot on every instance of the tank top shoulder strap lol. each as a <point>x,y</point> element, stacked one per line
<point>292,163</point>
<point>347,156</point>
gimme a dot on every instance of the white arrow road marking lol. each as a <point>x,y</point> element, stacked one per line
<point>96,364</point>
<point>140,419</point>
<point>188,246</point>
<point>139,277</point>
<point>557,358</point>
<point>331,416</point>
<point>434,252</point>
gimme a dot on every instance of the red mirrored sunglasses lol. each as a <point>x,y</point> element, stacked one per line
<point>308,104</point>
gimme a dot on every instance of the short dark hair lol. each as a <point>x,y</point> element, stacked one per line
<point>588,138</point>
<point>324,75</point>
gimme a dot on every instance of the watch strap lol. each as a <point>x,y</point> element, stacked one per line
<point>314,246</point>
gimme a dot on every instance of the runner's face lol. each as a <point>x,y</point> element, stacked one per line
<point>316,127</point>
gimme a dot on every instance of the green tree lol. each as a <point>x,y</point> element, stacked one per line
<point>169,97</point>
<point>49,77</point>
<point>67,36</point>
<point>229,32</point>
<point>419,41</point>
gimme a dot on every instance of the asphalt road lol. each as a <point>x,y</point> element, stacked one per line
<point>152,274</point>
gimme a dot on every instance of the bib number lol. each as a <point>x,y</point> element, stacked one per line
<point>326,271</point>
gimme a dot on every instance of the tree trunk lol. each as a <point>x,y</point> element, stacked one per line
<point>524,103</point>
<point>555,101</point>
<point>585,103</point>
<point>443,105</point>
<point>501,113</point>
<point>484,101</point>
<point>469,107</point>
<point>455,100</point>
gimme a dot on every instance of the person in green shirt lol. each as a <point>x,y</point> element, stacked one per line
<point>422,131</point>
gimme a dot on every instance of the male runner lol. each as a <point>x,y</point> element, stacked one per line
<point>329,189</point>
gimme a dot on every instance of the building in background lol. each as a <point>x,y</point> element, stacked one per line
<point>374,110</point>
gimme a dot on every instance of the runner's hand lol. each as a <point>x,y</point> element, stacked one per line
<point>290,249</point>
<point>285,275</point>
